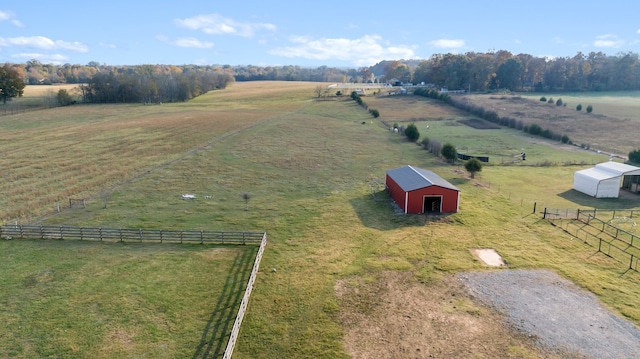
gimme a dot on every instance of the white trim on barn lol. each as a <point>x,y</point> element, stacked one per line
<point>604,180</point>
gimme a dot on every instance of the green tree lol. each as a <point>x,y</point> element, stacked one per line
<point>425,143</point>
<point>375,113</point>
<point>11,85</point>
<point>412,133</point>
<point>589,109</point>
<point>579,107</point>
<point>64,98</point>
<point>473,166</point>
<point>449,152</point>
<point>509,75</point>
<point>634,156</point>
<point>559,102</point>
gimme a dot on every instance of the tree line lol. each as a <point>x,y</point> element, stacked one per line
<point>476,72</point>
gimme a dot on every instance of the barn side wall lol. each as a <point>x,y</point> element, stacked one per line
<point>449,199</point>
<point>609,188</point>
<point>585,184</point>
<point>395,192</point>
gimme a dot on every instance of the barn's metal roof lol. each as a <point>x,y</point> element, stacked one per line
<point>411,178</point>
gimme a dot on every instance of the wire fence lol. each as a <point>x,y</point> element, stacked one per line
<point>602,229</point>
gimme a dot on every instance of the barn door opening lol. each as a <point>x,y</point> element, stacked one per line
<point>432,204</point>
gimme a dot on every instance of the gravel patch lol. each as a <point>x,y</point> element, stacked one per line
<point>560,315</point>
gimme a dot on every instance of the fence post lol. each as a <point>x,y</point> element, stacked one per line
<point>631,262</point>
<point>81,236</point>
<point>100,233</point>
<point>534,207</point>
<point>544,214</point>
<point>61,235</point>
<point>181,234</point>
<point>599,245</point>
<point>161,236</point>
<point>140,233</point>
<point>201,237</point>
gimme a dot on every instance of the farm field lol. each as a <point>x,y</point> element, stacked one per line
<point>610,128</point>
<point>345,264</point>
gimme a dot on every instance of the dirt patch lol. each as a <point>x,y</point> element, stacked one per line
<point>492,314</point>
<point>394,316</point>
<point>479,124</point>
<point>562,317</point>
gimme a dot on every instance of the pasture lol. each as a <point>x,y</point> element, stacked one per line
<point>345,263</point>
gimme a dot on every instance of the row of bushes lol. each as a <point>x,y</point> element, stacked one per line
<point>559,102</point>
<point>358,99</point>
<point>492,116</point>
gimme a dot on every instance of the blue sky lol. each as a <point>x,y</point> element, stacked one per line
<point>332,33</point>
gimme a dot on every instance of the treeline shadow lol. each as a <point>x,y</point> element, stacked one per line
<point>215,334</point>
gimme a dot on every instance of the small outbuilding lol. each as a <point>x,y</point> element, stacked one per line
<point>606,179</point>
<point>416,190</point>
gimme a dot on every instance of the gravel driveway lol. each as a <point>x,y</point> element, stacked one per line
<point>563,317</point>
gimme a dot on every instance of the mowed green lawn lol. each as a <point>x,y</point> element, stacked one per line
<point>71,299</point>
<point>312,169</point>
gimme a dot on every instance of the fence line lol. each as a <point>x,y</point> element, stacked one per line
<point>621,243</point>
<point>245,301</point>
<point>128,234</point>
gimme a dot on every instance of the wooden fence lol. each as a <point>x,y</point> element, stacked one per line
<point>128,234</point>
<point>610,239</point>
<point>245,301</point>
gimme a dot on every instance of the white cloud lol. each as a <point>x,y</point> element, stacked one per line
<point>107,45</point>
<point>189,42</point>
<point>41,42</point>
<point>215,24</point>
<point>608,41</point>
<point>638,31</point>
<point>56,59</point>
<point>9,16</point>
<point>364,51</point>
<point>447,44</point>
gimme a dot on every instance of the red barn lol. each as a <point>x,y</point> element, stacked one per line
<point>418,190</point>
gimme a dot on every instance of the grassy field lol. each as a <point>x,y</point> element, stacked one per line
<point>81,299</point>
<point>313,170</point>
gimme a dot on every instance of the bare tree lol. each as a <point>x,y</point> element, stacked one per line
<point>246,197</point>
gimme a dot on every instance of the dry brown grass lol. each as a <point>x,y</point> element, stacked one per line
<point>79,151</point>
<point>43,90</point>
<point>599,131</point>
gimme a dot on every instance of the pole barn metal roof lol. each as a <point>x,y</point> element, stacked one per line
<point>411,178</point>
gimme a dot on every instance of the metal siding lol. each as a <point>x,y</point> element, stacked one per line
<point>396,192</point>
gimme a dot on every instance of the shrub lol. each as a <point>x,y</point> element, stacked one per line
<point>550,100</point>
<point>634,156</point>
<point>543,99</point>
<point>559,102</point>
<point>565,139</point>
<point>412,133</point>
<point>535,129</point>
<point>339,93</point>
<point>425,143</point>
<point>579,107</point>
<point>473,166</point>
<point>449,152</point>
<point>589,109</point>
<point>375,113</point>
